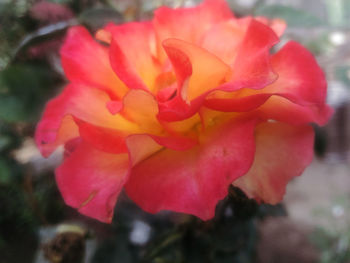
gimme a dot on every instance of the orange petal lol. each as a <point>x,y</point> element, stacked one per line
<point>133,54</point>
<point>197,70</point>
<point>142,108</point>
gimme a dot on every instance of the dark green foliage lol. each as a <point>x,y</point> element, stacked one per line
<point>18,227</point>
<point>24,88</point>
<point>342,74</point>
<point>230,237</point>
<point>319,45</point>
<point>334,246</point>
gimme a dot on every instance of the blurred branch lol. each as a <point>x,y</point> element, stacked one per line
<point>43,33</point>
<point>171,238</point>
<point>28,188</point>
<point>258,5</point>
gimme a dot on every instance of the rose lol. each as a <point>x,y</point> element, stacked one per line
<point>177,109</point>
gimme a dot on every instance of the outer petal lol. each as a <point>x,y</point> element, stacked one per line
<point>278,25</point>
<point>84,103</point>
<point>133,54</point>
<point>273,106</point>
<point>299,74</point>
<point>280,109</point>
<point>189,24</point>
<point>252,64</point>
<point>302,82</point>
<point>300,91</point>
<point>251,67</point>
<point>195,180</point>
<point>104,139</point>
<point>224,39</point>
<point>51,132</point>
<point>282,152</point>
<point>91,180</point>
<point>86,61</point>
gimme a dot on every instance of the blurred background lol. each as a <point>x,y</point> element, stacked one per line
<point>312,224</point>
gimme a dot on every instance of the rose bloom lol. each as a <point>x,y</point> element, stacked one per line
<point>177,109</point>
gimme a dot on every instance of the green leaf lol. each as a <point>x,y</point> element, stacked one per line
<point>12,109</point>
<point>24,88</point>
<point>342,73</point>
<point>5,141</point>
<point>319,45</point>
<point>5,172</point>
<point>294,17</point>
